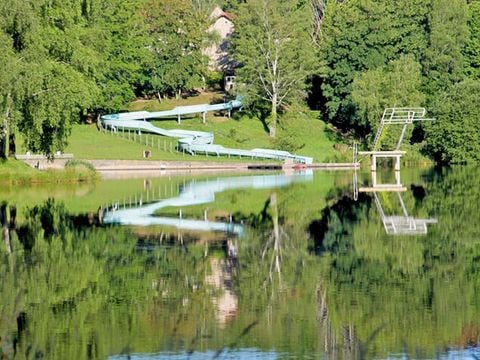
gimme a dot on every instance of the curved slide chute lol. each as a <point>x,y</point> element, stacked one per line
<point>191,141</point>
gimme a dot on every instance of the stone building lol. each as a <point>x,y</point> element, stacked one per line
<point>219,57</point>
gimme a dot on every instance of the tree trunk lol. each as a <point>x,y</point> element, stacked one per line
<point>13,217</point>
<point>272,126</point>
<point>12,147</point>
<point>4,131</point>
<point>318,12</point>
<point>4,139</point>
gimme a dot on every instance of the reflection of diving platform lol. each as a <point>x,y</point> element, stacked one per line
<point>402,224</point>
<point>194,193</point>
<point>395,224</point>
<point>392,187</point>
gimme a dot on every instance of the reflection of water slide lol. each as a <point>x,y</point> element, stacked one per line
<point>193,141</point>
<point>196,193</point>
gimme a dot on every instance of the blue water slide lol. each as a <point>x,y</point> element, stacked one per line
<point>193,142</point>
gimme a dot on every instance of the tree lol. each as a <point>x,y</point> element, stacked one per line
<point>17,21</point>
<point>398,84</point>
<point>63,60</point>
<point>443,65</point>
<point>273,47</point>
<point>8,63</point>
<point>122,39</point>
<point>318,13</point>
<point>362,35</point>
<point>176,33</point>
<point>455,136</point>
<point>471,51</point>
<point>55,97</point>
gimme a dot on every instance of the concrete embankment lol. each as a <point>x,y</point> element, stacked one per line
<point>109,166</point>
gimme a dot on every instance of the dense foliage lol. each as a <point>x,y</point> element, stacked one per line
<point>64,61</point>
<point>363,46</point>
<point>67,61</point>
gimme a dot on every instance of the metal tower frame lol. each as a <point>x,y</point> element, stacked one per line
<point>399,116</point>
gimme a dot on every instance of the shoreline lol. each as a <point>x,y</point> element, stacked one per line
<point>126,166</point>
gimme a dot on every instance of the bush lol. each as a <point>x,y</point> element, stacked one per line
<point>70,164</point>
<point>214,80</point>
<point>287,140</point>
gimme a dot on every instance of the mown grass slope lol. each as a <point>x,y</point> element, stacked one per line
<point>299,132</point>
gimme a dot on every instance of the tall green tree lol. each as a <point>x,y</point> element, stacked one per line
<point>176,33</point>
<point>273,47</point>
<point>122,39</point>
<point>398,84</point>
<point>8,62</point>
<point>362,35</point>
<point>471,50</point>
<point>64,61</point>
<point>443,65</point>
<point>455,136</point>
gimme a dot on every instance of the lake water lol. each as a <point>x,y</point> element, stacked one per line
<point>239,266</point>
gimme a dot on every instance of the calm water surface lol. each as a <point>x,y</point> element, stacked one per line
<point>268,266</point>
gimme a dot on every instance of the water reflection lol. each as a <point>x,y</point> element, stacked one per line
<point>194,193</point>
<point>230,354</point>
<point>393,222</point>
<point>314,275</point>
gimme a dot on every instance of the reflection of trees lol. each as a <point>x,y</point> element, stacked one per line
<point>70,291</point>
<point>57,280</point>
<point>74,291</point>
<point>422,289</point>
<point>8,217</point>
<point>274,238</point>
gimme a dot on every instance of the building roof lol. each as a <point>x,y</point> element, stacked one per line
<point>219,13</point>
<point>227,15</point>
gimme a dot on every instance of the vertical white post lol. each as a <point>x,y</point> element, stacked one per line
<point>397,163</point>
<point>397,178</point>
<point>374,162</point>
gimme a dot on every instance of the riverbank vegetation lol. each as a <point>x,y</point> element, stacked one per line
<point>14,172</point>
<point>66,63</point>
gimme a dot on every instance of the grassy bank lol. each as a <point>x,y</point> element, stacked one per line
<point>301,133</point>
<point>13,172</point>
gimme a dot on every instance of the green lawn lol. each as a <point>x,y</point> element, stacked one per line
<point>241,131</point>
